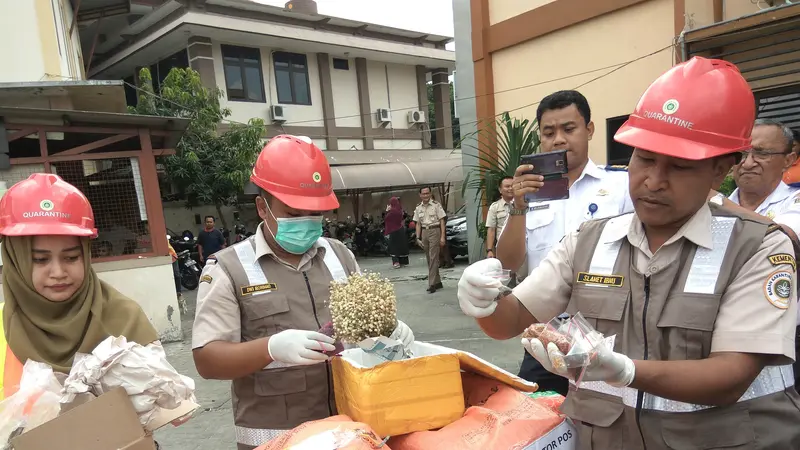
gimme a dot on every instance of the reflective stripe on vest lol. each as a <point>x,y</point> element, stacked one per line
<point>704,271</point>
<point>256,276</point>
<point>702,279</point>
<point>771,380</point>
<point>255,437</point>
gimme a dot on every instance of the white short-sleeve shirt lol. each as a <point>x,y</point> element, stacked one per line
<point>598,193</point>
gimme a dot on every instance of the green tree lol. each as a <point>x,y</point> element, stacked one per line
<point>728,186</point>
<point>512,138</point>
<point>210,166</point>
<point>456,129</point>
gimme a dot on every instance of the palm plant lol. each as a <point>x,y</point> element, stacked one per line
<point>512,138</point>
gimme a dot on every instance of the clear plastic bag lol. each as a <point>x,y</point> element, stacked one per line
<point>37,401</point>
<point>575,338</point>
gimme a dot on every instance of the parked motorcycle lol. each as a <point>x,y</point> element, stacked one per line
<point>190,272</point>
<point>241,233</point>
<point>184,241</point>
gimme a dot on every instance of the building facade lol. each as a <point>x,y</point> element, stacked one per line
<point>348,85</point>
<point>610,50</point>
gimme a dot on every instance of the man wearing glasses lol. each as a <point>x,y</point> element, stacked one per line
<point>758,176</point>
<point>761,189</point>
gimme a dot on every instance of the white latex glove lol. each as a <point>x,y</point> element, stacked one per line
<point>614,368</point>
<point>299,347</point>
<point>403,334</point>
<point>477,291</point>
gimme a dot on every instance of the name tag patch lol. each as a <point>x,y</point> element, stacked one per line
<point>782,258</point>
<point>604,280</point>
<point>256,288</point>
<point>539,207</point>
<point>778,289</point>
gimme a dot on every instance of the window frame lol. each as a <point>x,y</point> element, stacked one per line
<point>291,70</point>
<point>242,65</point>
<point>611,144</point>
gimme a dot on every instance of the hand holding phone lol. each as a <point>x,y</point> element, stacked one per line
<point>551,169</point>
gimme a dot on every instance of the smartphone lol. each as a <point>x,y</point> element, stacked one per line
<point>553,167</point>
<point>327,330</point>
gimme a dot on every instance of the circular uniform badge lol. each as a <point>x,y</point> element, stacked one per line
<point>778,289</point>
<point>316,177</point>
<point>46,205</point>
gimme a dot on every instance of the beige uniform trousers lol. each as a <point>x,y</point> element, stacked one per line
<point>430,243</point>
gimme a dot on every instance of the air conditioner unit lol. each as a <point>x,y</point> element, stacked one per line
<point>416,117</point>
<point>277,113</point>
<point>384,115</point>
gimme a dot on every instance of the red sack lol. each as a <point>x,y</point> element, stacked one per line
<point>499,418</point>
<point>322,434</point>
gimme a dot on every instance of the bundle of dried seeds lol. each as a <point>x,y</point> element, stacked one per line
<point>363,307</point>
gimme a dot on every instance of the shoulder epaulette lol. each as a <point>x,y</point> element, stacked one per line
<point>615,168</point>
<point>794,185</point>
<point>771,228</point>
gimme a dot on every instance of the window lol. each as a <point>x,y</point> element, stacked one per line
<point>341,64</point>
<point>291,78</point>
<point>160,70</point>
<point>244,80</point>
<point>616,153</point>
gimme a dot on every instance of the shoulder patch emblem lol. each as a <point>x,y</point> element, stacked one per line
<point>782,258</point>
<point>206,279</point>
<point>616,168</point>
<point>778,289</point>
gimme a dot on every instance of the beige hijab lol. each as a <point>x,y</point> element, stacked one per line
<point>52,332</point>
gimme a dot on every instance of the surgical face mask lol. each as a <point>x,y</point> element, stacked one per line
<point>296,234</point>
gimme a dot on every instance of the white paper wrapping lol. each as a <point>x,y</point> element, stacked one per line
<point>143,371</point>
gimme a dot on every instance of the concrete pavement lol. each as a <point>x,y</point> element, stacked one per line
<point>433,317</point>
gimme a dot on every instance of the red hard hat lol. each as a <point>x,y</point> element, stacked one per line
<point>697,110</point>
<point>296,172</point>
<point>45,204</point>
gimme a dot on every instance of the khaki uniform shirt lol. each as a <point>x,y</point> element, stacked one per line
<point>497,215</point>
<point>218,316</point>
<point>429,215</point>
<point>748,321</point>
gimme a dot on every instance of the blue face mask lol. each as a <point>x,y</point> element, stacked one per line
<point>297,234</point>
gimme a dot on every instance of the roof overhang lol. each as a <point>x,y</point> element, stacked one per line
<point>88,95</point>
<point>754,20</point>
<point>765,46</point>
<point>394,176</point>
<point>174,35</point>
<point>173,126</point>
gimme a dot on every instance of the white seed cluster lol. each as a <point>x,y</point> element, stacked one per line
<point>363,307</point>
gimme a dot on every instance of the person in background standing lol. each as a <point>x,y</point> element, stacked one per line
<point>210,240</point>
<point>176,273</point>
<point>396,230</point>
<point>758,176</point>
<point>532,230</point>
<point>429,216</point>
<point>498,213</point>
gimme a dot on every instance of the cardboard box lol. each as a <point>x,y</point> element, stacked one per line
<point>107,422</point>
<point>417,394</point>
